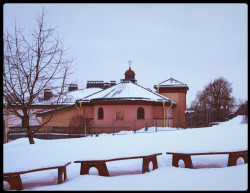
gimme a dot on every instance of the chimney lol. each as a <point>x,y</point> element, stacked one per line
<point>72,87</point>
<point>95,84</point>
<point>47,94</point>
<point>112,83</point>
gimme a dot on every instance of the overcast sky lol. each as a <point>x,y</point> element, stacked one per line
<point>193,43</point>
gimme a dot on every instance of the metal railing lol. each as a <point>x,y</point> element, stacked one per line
<point>117,127</point>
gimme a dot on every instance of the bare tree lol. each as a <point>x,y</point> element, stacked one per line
<point>215,96</point>
<point>32,63</point>
<point>243,110</point>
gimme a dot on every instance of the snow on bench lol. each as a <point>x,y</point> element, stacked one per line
<point>101,166</point>
<point>186,157</point>
<point>14,179</point>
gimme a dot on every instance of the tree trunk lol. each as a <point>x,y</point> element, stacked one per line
<point>29,131</point>
<point>30,135</point>
<point>26,124</point>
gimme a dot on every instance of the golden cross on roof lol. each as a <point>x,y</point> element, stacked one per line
<point>129,62</point>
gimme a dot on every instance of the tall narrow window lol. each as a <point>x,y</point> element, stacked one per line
<point>100,113</point>
<point>140,113</point>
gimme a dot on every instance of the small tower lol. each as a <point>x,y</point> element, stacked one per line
<point>129,74</point>
<point>176,91</point>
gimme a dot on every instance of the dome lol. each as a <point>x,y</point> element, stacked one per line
<point>129,72</point>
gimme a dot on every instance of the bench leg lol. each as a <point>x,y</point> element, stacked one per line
<point>65,174</point>
<point>14,181</point>
<point>61,171</point>
<point>232,159</point>
<point>100,166</point>
<point>186,158</point>
<point>146,161</point>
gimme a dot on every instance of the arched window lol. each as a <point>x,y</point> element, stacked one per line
<point>100,113</point>
<point>140,113</point>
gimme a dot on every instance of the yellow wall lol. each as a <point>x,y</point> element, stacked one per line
<point>61,118</point>
<point>179,109</point>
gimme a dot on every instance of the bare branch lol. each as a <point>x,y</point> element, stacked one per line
<point>32,63</point>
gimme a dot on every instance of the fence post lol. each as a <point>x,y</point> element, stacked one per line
<point>178,121</point>
<point>91,130</point>
<point>113,127</point>
<point>134,126</point>
<point>146,127</point>
<point>47,131</point>
<point>85,128</point>
<point>155,125</point>
<point>69,132</point>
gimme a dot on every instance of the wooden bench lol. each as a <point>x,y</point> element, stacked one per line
<point>186,157</point>
<point>14,179</point>
<point>101,166</point>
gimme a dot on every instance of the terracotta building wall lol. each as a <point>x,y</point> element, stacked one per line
<point>159,115</point>
<point>182,110</point>
<point>130,112</point>
<point>63,117</point>
<point>88,111</point>
<point>108,114</point>
<point>130,115</point>
<point>158,111</point>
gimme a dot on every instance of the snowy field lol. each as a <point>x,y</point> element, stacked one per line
<point>210,171</point>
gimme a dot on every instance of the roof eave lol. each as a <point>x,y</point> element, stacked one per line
<point>171,86</point>
<point>53,110</point>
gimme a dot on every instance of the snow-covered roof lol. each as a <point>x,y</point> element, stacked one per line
<point>124,91</point>
<point>171,83</point>
<point>189,111</point>
<point>127,91</point>
<point>71,96</point>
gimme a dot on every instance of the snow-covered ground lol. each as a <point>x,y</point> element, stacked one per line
<point>210,173</point>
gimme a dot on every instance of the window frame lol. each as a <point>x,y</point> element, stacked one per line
<point>119,116</point>
<point>140,113</point>
<point>100,113</point>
